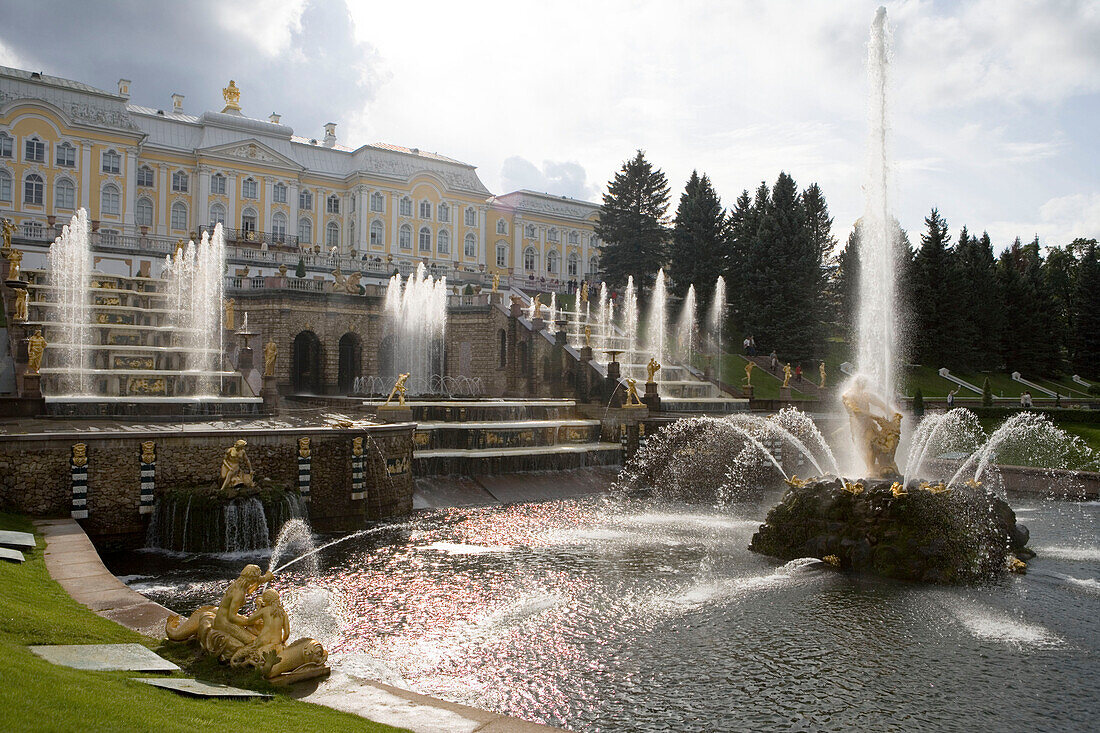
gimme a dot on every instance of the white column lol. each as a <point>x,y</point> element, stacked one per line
<point>395,212</point>
<point>292,201</point>
<point>85,174</point>
<point>582,266</point>
<point>231,210</point>
<point>162,204</point>
<point>483,223</point>
<point>129,183</point>
<point>265,203</point>
<point>202,202</point>
<point>517,238</point>
<point>362,233</point>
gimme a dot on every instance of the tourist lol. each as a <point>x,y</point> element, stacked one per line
<point>951,398</point>
<point>798,373</point>
<point>775,361</point>
<point>746,345</point>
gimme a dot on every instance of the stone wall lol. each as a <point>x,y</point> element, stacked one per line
<point>35,474</point>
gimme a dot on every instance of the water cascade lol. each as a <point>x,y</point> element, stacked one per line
<point>70,270</point>
<point>415,326</point>
<point>194,522</point>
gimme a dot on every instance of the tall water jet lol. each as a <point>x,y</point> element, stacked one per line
<point>716,319</point>
<point>196,289</point>
<point>70,267</point>
<point>415,327</point>
<point>630,316</point>
<point>876,330</point>
<point>602,343</point>
<point>685,328</point>
<point>657,320</point>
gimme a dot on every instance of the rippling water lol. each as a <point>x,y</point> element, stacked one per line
<point>599,615</point>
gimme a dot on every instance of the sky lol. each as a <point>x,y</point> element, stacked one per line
<point>995,104</point>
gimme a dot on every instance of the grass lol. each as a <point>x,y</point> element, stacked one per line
<point>1090,433</point>
<point>765,385</point>
<point>37,695</point>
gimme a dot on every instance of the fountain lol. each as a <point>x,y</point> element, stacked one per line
<point>415,326</point>
<point>685,329</point>
<point>657,320</point>
<point>716,319</point>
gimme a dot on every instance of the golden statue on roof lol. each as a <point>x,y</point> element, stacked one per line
<point>232,95</point>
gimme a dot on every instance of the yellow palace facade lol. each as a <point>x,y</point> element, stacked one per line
<point>164,174</point>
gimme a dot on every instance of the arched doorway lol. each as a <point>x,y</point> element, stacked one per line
<point>350,363</point>
<point>305,368</point>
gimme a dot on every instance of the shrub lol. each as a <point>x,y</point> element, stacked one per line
<point>987,393</point>
<point>300,270</point>
<point>918,403</point>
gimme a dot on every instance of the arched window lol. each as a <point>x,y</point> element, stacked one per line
<point>217,184</point>
<point>593,265</point>
<point>444,212</point>
<point>278,193</point>
<point>406,207</point>
<point>529,259</point>
<point>332,204</point>
<point>64,194</point>
<point>405,237</point>
<point>278,226</point>
<point>34,189</point>
<point>109,201</point>
<point>572,264</point>
<point>248,220</point>
<point>249,188</point>
<point>145,176</point>
<point>66,155</point>
<point>180,182</point>
<point>471,216</point>
<point>377,233</point>
<point>552,262</point>
<point>217,215</point>
<point>179,215</point>
<point>112,162</point>
<point>5,186</point>
<point>425,209</point>
<point>425,239</point>
<point>305,199</point>
<point>502,255</point>
<point>377,202</point>
<point>552,235</point>
<point>6,145</point>
<point>469,247</point>
<point>502,226</point>
<point>143,212</point>
<point>444,242</point>
<point>529,231</point>
<point>574,237</point>
<point>34,150</point>
<point>332,234</point>
<point>305,231</point>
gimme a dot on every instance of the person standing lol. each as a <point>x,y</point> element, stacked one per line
<point>775,361</point>
<point>951,398</point>
<point>798,373</point>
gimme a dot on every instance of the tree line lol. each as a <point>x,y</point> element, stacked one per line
<point>961,306</point>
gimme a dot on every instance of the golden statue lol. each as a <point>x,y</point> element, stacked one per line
<point>303,448</point>
<point>80,454</point>
<point>399,390</point>
<point>15,259</point>
<point>7,228</point>
<point>20,313</point>
<point>257,640</point>
<point>876,435</point>
<point>496,281</point>
<point>632,398</point>
<point>588,337</point>
<point>831,560</point>
<point>536,306</point>
<point>584,292</point>
<point>787,374</point>
<point>230,314</point>
<point>236,468</point>
<point>352,283</point>
<point>972,483</point>
<point>271,354</point>
<point>898,490</point>
<point>36,349</point>
<point>748,373</point>
<point>232,96</point>
<point>936,488</point>
<point>652,368</point>
<point>795,482</point>
<point>821,371</point>
<point>148,451</point>
<point>853,488</point>
<point>357,445</point>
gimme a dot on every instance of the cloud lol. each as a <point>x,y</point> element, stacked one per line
<point>1059,221</point>
<point>561,178</point>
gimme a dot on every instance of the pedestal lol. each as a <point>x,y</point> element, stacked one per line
<point>244,359</point>
<point>785,394</point>
<point>270,393</point>
<point>538,324</point>
<point>395,413</point>
<point>586,353</point>
<point>32,385</point>
<point>747,391</point>
<point>652,399</point>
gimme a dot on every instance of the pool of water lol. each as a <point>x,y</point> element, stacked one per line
<point>609,615</point>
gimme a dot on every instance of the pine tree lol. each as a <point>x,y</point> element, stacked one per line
<point>844,284</point>
<point>819,222</point>
<point>1085,321</point>
<point>933,334</point>
<point>633,223</point>
<point>979,316</point>
<point>700,240</point>
<point>744,220</point>
<point>987,393</point>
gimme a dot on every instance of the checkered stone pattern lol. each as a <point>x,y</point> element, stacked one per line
<point>304,470</point>
<point>358,478</point>
<point>148,483</point>
<point>80,491</point>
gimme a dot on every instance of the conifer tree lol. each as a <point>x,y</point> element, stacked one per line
<point>979,317</point>
<point>844,285</point>
<point>1085,322</point>
<point>700,240</point>
<point>933,334</point>
<point>633,223</point>
<point>744,220</point>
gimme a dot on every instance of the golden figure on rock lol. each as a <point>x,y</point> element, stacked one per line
<point>852,488</point>
<point>821,371</point>
<point>236,468</point>
<point>876,436</point>
<point>898,490</point>
<point>398,391</point>
<point>787,374</point>
<point>588,337</point>
<point>536,306</point>
<point>794,481</point>
<point>36,349</point>
<point>7,228</point>
<point>230,314</point>
<point>652,368</point>
<point>632,398</point>
<point>271,355</point>
<point>496,281</point>
<point>20,311</point>
<point>15,260</point>
<point>584,292</point>
<point>748,373</point>
<point>257,640</point>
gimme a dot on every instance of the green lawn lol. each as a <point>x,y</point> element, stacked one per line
<point>37,695</point>
<point>765,385</point>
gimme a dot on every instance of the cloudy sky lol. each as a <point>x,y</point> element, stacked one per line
<point>995,103</point>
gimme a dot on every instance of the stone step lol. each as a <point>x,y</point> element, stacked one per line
<point>442,462</point>
<point>459,411</point>
<point>504,434</point>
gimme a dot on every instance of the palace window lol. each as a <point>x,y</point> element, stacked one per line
<point>529,231</point>
<point>425,239</point>
<point>112,162</point>
<point>502,255</point>
<point>248,220</point>
<point>377,202</point>
<point>377,234</point>
<point>552,262</point>
<point>180,183</point>
<point>573,264</point>
<point>444,212</point>
<point>35,150</point>
<point>529,259</point>
<point>278,226</point>
<point>502,226</point>
<point>444,242</point>
<point>5,145</point>
<point>406,207</point>
<point>351,232</point>
<point>425,209</point>
<point>332,204</point>
<point>471,216</point>
<point>278,193</point>
<point>405,237</point>
<point>305,231</point>
<point>469,247</point>
<point>34,189</point>
<point>179,215</point>
<point>217,215</point>
<point>574,238</point>
<point>552,235</point>
<point>332,234</point>
<point>145,176</point>
<point>249,188</point>
<point>64,194</point>
<point>593,265</point>
<point>143,212</point>
<point>305,200</point>
<point>66,155</point>
<point>217,184</point>
<point>5,186</point>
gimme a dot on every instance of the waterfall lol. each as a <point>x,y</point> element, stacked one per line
<point>203,523</point>
<point>716,319</point>
<point>415,328</point>
<point>70,268</point>
<point>657,325</point>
